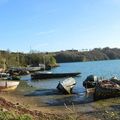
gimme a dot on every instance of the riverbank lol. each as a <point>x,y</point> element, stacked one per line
<point>46,104</point>
<point>16,106</point>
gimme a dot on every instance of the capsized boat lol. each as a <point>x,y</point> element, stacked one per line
<point>66,86</point>
<point>106,89</point>
<point>47,75</point>
<point>7,85</point>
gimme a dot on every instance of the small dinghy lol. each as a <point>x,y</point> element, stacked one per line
<point>66,86</point>
<point>4,76</point>
<point>8,85</point>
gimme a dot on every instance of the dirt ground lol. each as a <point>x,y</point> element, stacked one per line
<point>24,105</point>
<point>17,102</point>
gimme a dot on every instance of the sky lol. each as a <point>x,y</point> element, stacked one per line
<point>54,25</point>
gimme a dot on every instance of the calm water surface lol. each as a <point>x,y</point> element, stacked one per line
<point>105,69</point>
<point>47,88</point>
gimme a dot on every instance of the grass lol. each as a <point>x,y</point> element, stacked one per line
<point>72,113</point>
<point>6,115</point>
<point>15,115</point>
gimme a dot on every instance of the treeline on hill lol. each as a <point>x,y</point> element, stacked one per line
<point>91,55</point>
<point>10,59</point>
<point>23,59</point>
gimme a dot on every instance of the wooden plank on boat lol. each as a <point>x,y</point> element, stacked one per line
<point>106,89</point>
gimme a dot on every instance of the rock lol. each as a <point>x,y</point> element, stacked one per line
<point>4,110</point>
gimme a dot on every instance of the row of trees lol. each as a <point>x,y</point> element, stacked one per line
<point>21,59</point>
<point>10,59</point>
<point>91,55</point>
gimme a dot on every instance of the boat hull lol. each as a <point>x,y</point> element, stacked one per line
<point>63,90</point>
<point>66,86</point>
<point>90,90</point>
<point>52,75</point>
<point>106,92</point>
<point>8,85</point>
<point>4,76</point>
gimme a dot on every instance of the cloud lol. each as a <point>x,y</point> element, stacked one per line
<point>45,32</point>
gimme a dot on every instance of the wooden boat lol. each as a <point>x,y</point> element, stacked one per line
<point>115,80</point>
<point>4,75</point>
<point>47,75</point>
<point>33,69</point>
<point>90,81</point>
<point>14,77</point>
<point>66,86</point>
<point>106,89</point>
<point>90,90</point>
<point>16,71</point>
<point>7,85</point>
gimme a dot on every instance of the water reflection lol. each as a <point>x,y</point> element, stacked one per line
<point>53,97</point>
<point>43,92</point>
<point>70,99</point>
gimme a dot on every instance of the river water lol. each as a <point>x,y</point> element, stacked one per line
<point>46,89</point>
<point>105,69</point>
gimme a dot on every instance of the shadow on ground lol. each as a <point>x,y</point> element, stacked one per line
<point>52,97</point>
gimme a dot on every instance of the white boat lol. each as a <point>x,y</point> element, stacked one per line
<point>4,75</point>
<point>8,85</point>
<point>67,85</point>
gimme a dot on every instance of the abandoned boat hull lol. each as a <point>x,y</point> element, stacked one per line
<point>66,86</point>
<point>103,92</point>
<point>90,90</point>
<point>4,76</point>
<point>8,85</point>
<point>52,75</point>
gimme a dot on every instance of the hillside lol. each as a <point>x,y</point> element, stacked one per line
<point>92,55</point>
<point>52,58</point>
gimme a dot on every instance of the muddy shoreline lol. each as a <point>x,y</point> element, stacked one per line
<point>99,113</point>
<point>52,107</point>
<point>20,107</point>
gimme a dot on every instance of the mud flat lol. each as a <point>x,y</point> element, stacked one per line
<point>43,105</point>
